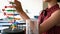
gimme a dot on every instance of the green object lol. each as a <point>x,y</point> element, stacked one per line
<point>10,18</point>
<point>14,25</point>
<point>12,3</point>
<point>10,10</point>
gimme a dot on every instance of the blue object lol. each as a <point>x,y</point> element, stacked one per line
<point>36,17</point>
<point>16,14</point>
<point>15,23</point>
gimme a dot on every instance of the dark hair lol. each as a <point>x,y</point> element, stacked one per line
<point>58,0</point>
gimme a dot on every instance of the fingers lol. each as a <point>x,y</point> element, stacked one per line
<point>17,5</point>
<point>17,2</point>
<point>14,6</point>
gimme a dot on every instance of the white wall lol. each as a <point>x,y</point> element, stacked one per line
<point>33,6</point>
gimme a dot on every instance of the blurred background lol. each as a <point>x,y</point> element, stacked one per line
<point>9,15</point>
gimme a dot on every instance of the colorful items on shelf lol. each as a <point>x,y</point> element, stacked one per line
<point>12,3</point>
<point>14,26</point>
<point>7,13</point>
<point>9,7</point>
<point>14,18</point>
<point>10,17</point>
<point>10,10</point>
<point>3,9</point>
<point>12,14</point>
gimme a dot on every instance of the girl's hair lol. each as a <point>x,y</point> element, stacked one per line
<point>58,0</point>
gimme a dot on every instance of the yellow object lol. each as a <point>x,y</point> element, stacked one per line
<point>13,26</point>
<point>16,18</point>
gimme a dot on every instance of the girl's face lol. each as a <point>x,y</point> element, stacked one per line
<point>46,0</point>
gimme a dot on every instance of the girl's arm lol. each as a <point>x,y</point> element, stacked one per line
<point>50,22</point>
<point>19,9</point>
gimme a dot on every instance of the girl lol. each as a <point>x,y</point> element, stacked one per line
<point>49,19</point>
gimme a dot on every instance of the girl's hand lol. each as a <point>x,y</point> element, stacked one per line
<point>17,5</point>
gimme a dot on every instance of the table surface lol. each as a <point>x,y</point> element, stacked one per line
<point>14,31</point>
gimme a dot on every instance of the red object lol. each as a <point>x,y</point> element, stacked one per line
<point>11,14</point>
<point>9,7</point>
<point>5,6</point>
<point>3,9</point>
<point>43,17</point>
<point>4,13</point>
